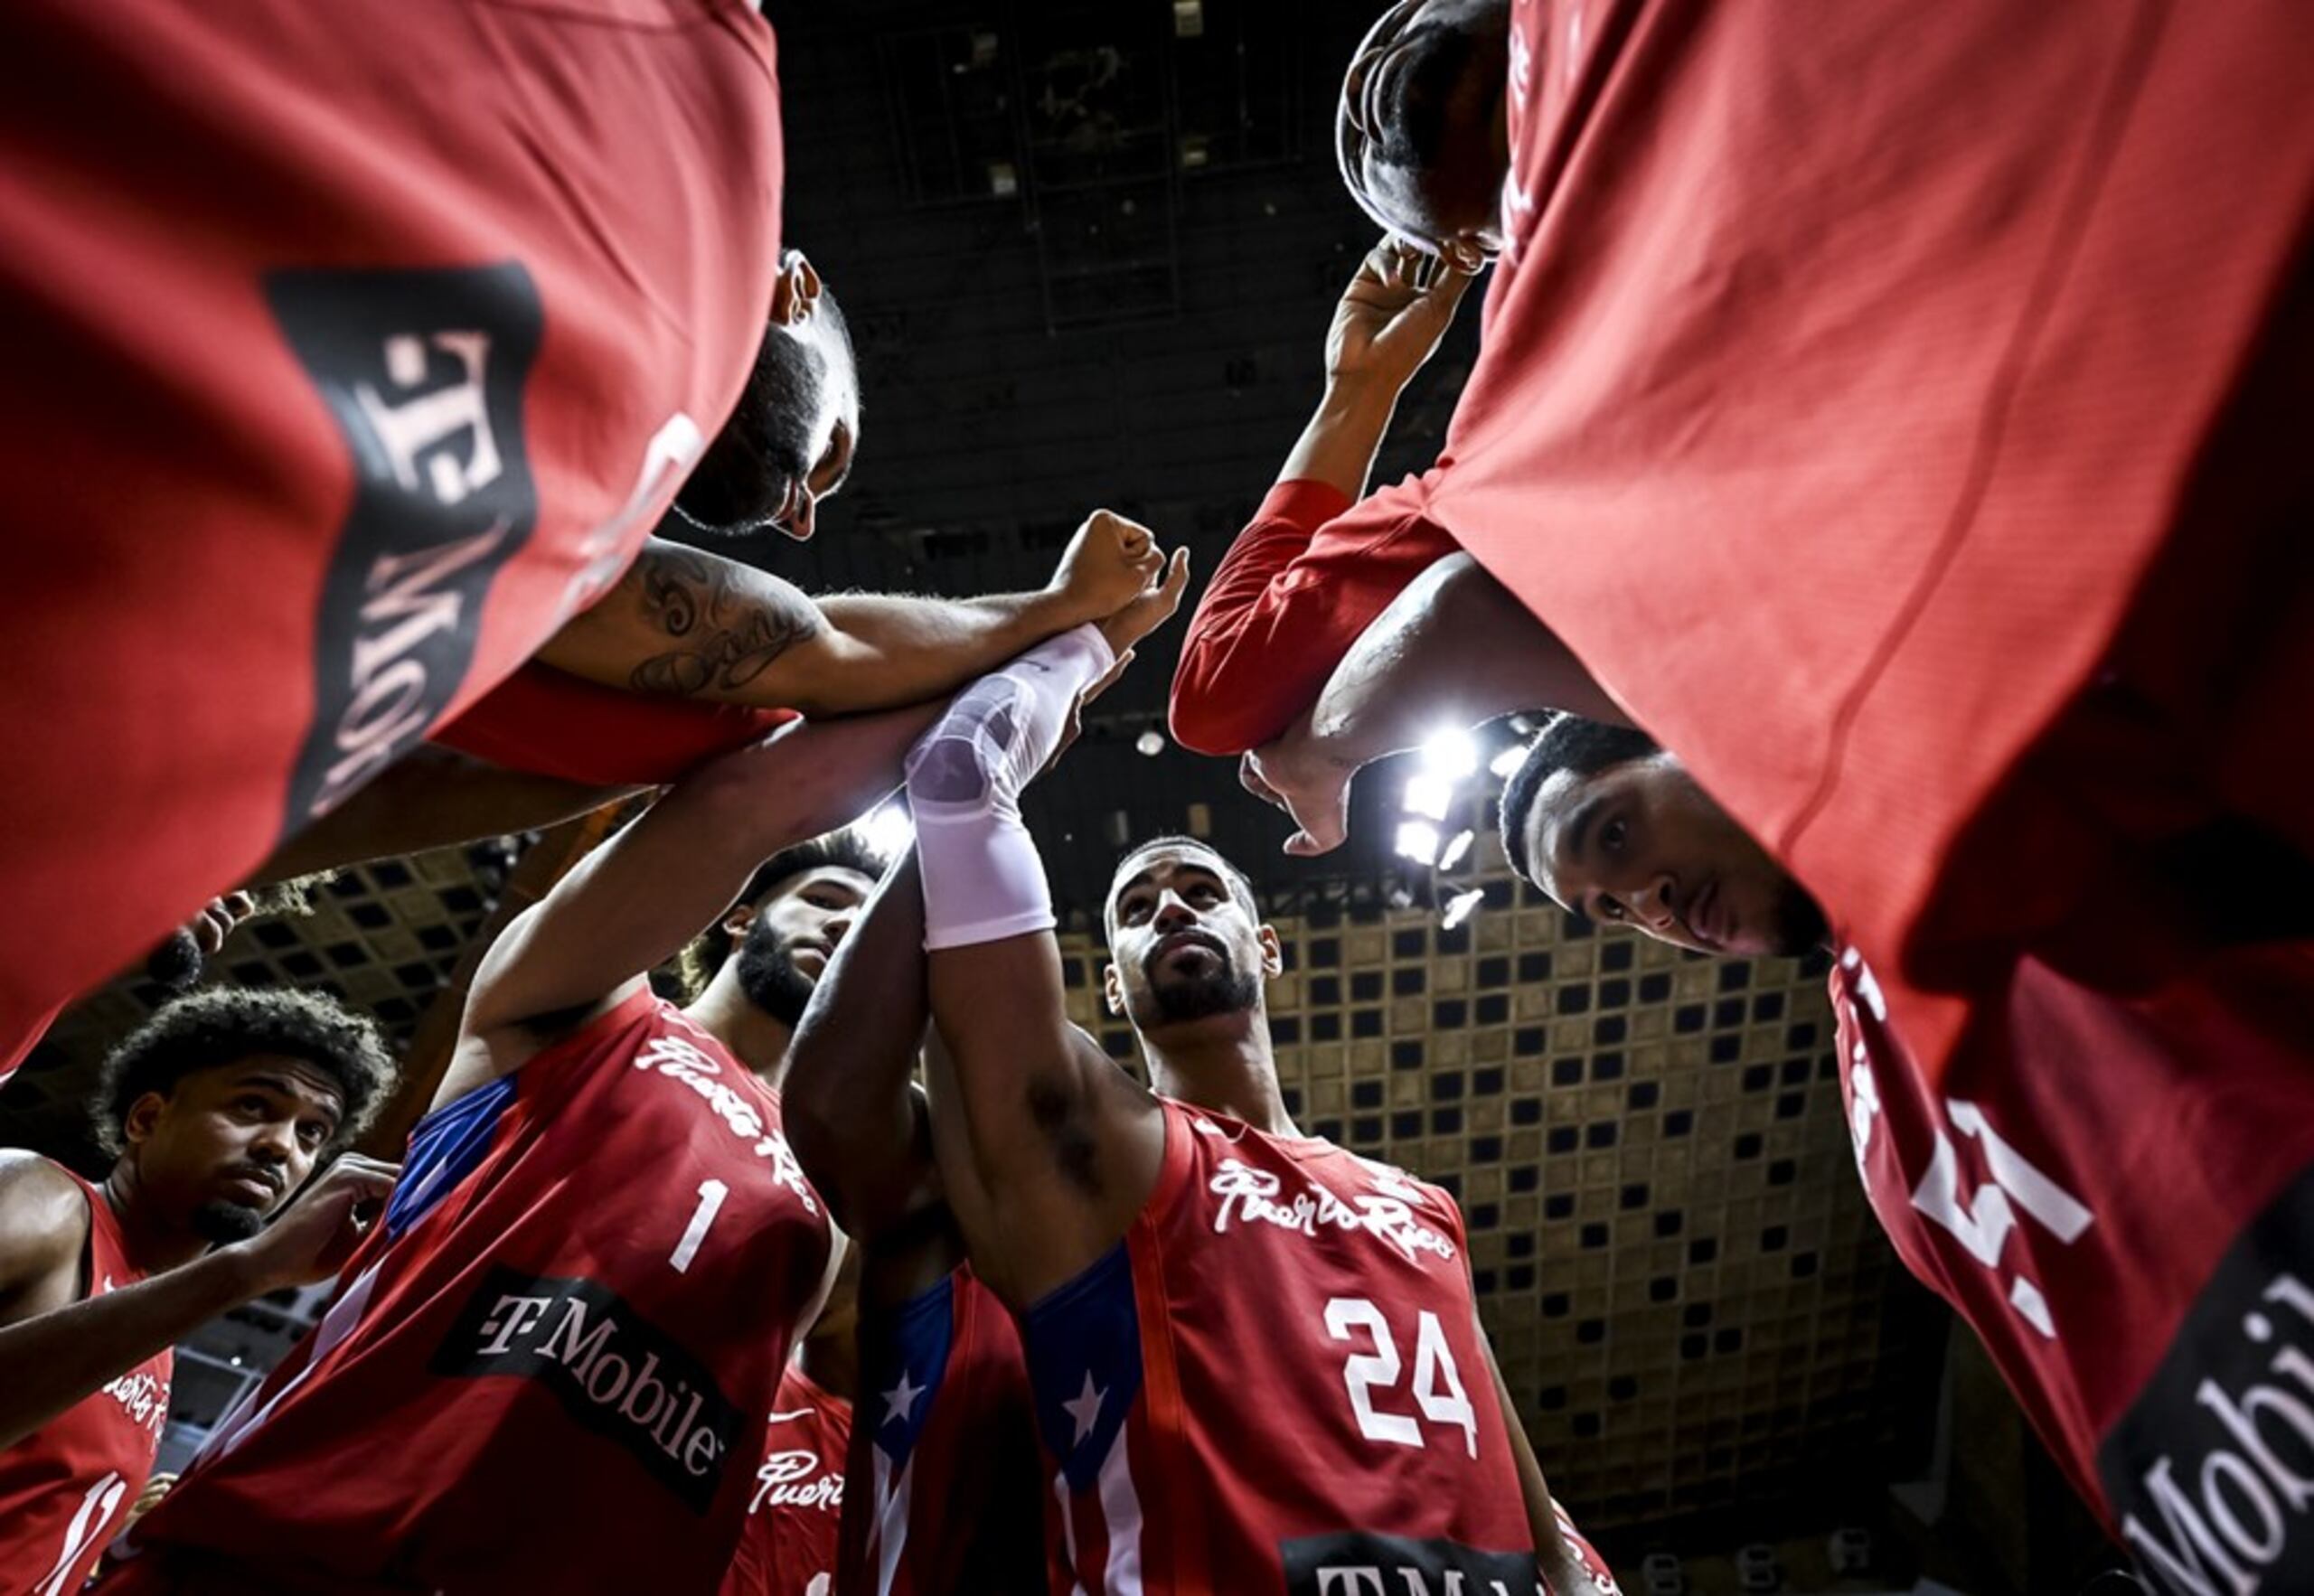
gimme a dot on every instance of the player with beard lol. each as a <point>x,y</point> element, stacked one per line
<point>1254,1354</point>
<point>216,1112</point>
<point>2117,1194</point>
<point>599,1254</point>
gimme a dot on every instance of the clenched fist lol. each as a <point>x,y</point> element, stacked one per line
<point>1107,565</point>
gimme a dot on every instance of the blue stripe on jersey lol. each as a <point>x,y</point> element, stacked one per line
<point>444,1147</point>
<point>1084,1347</point>
<point>904,1360</point>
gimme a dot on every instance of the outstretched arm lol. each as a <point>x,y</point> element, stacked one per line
<point>1312,567</point>
<point>636,900</point>
<point>1454,649</point>
<point>50,1360</point>
<point>432,797</point>
<point>1059,1148</point>
<point>694,625</point>
<point>854,1116</point>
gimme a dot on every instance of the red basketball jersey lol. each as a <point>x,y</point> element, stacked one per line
<point>341,371</point>
<point>946,1490</point>
<point>552,1366</point>
<point>1828,294</point>
<point>65,1488</point>
<point>796,1512</point>
<point>2119,1198</point>
<point>551,723</point>
<point>1275,1384</point>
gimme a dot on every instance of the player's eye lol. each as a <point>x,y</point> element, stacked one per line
<point>1609,909</point>
<point>1615,833</point>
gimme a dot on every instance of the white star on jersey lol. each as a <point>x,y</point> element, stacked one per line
<point>1086,1409</point>
<point>900,1400</point>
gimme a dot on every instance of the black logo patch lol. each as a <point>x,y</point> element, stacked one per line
<point>613,1371</point>
<point>2211,1471</point>
<point>424,373</point>
<point>1355,1563</point>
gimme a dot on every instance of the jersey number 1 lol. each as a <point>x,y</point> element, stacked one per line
<point>711,1194</point>
<point>1437,1385</point>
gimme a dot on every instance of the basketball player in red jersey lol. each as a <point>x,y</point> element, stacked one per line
<point>398,431</point>
<point>1254,1354</point>
<point>217,1110</point>
<point>944,1489</point>
<point>2117,1195</point>
<point>1997,535</point>
<point>600,1251</point>
<point>796,1512</point>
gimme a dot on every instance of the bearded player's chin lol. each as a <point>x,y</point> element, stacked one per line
<point>222,1224</point>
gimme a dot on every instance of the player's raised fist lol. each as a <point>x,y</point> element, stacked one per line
<point>1152,606</point>
<point>1106,566</point>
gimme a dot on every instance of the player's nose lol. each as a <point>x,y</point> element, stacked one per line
<point>1172,913</point>
<point>1651,906</point>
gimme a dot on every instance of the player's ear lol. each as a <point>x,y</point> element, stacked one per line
<point>138,1124</point>
<point>737,922</point>
<point>1273,954</point>
<point>1113,988</point>
<point>795,291</point>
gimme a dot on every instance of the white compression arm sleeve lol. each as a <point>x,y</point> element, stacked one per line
<point>982,878</point>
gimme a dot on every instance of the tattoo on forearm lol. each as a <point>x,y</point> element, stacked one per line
<point>727,638</point>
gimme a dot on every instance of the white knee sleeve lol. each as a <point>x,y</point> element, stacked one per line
<point>982,879</point>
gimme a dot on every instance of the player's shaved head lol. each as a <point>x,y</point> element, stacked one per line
<point>788,443</point>
<point>1420,133</point>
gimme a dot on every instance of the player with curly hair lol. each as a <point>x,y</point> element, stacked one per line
<point>217,1110</point>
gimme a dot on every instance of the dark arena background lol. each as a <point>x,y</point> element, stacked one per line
<point>1087,253</point>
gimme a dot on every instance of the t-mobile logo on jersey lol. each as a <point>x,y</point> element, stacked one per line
<point>1354,1564</point>
<point>613,1372</point>
<point>2211,1471</point>
<point>423,372</point>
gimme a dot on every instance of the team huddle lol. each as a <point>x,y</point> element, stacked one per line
<point>863,1269</point>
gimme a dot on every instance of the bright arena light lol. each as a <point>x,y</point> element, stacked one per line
<point>1418,840</point>
<point>1429,794</point>
<point>1508,760</point>
<point>1461,907</point>
<point>1455,850</point>
<point>1151,742</point>
<point>1451,752</point>
<point>887,831</point>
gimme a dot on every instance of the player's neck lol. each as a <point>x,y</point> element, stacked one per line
<point>1229,1071</point>
<point>151,1243</point>
<point>755,1038</point>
